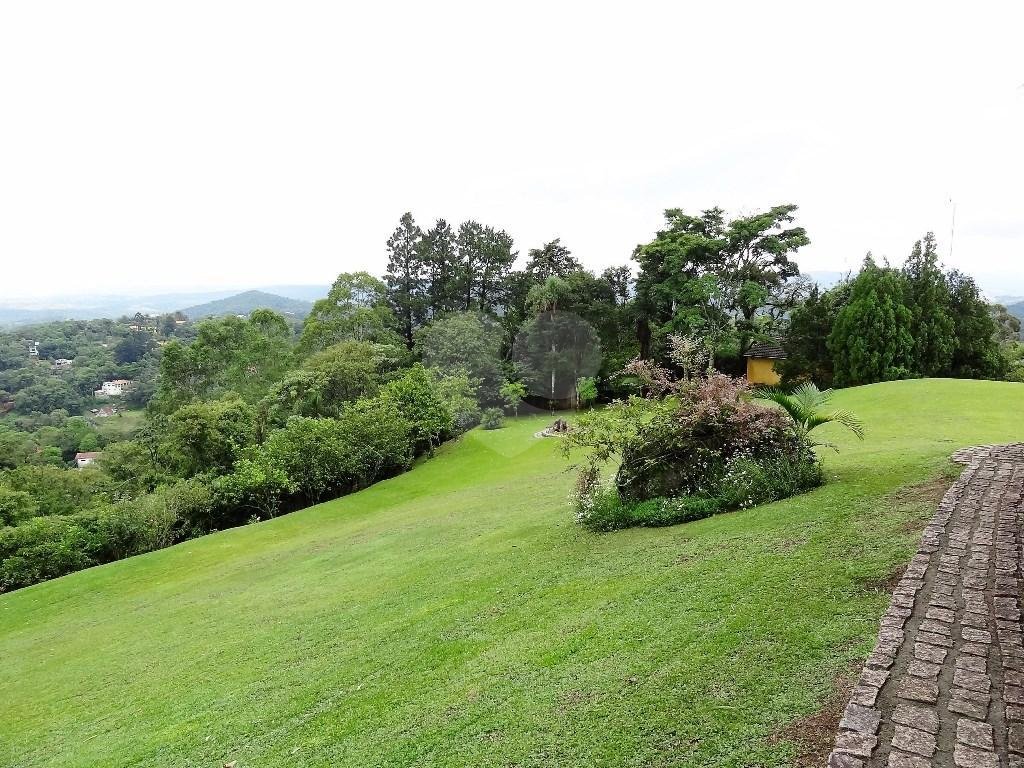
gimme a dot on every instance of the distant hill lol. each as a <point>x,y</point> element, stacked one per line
<point>1017,310</point>
<point>244,303</point>
<point>19,311</point>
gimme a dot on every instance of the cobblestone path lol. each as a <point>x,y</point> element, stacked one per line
<point>944,686</point>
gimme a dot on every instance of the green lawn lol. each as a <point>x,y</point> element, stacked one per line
<point>121,426</point>
<point>456,616</point>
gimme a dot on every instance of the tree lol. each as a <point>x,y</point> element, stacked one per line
<point>16,506</point>
<point>133,347</point>
<point>807,332</point>
<point>496,259</point>
<point>977,354</point>
<point>1008,326</point>
<point>441,259</point>
<point>468,342</point>
<point>872,338</point>
<point>416,396</point>
<point>749,258</point>
<point>551,260</point>
<point>208,436</point>
<point>513,393</point>
<point>229,355</point>
<point>928,299</point>
<point>330,379</point>
<point>555,349</point>
<point>619,279</point>
<point>48,395</point>
<point>355,309</point>
<point>756,257</point>
<point>406,276</point>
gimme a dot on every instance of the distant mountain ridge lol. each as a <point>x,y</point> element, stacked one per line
<point>246,302</point>
<point>14,311</point>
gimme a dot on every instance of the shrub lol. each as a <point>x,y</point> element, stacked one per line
<point>703,450</point>
<point>492,418</point>
<point>416,397</point>
<point>322,458</point>
<point>44,548</point>
<point>681,449</point>
<point>601,509</point>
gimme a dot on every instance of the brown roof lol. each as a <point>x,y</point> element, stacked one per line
<point>87,455</point>
<point>766,350</point>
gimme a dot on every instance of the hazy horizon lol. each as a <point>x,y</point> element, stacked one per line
<point>155,149</point>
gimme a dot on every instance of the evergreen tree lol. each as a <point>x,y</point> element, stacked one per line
<point>496,260</point>
<point>406,276</point>
<point>872,339</point>
<point>977,354</point>
<point>806,336</point>
<point>928,301</point>
<point>441,260</point>
<point>470,244</point>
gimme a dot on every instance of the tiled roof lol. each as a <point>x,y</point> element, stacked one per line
<point>766,350</point>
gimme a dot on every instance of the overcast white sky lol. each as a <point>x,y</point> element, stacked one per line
<point>154,146</point>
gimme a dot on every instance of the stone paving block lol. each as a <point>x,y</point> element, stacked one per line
<point>933,639</point>
<point>854,743</point>
<point>1015,737</point>
<point>874,677</point>
<point>940,614</point>
<point>914,741</point>
<point>924,669</point>
<point>969,708</point>
<point>932,653</point>
<point>972,681</point>
<point>865,695</point>
<point>971,757</point>
<point>1013,694</point>
<point>860,718</point>
<point>974,733</point>
<point>843,760</point>
<point>916,716</point>
<point>974,649</point>
<point>938,627</point>
<point>972,635</point>
<point>899,759</point>
<point>916,689</point>
<point>971,663</point>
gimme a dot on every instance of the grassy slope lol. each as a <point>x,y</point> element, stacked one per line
<point>456,616</point>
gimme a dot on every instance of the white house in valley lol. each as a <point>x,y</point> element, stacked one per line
<point>85,458</point>
<point>114,388</point>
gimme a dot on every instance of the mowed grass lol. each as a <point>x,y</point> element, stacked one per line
<point>457,616</point>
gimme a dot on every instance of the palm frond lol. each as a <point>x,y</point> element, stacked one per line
<point>849,421</point>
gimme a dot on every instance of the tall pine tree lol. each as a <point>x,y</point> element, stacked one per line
<point>406,277</point>
<point>927,299</point>
<point>441,261</point>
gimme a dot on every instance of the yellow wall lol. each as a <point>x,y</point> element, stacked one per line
<point>762,371</point>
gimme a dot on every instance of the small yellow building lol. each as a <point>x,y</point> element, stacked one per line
<point>761,360</point>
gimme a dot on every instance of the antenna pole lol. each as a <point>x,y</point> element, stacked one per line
<point>952,230</point>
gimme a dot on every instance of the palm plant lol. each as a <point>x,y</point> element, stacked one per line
<point>806,407</point>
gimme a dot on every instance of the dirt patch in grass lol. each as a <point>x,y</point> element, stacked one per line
<point>886,584</point>
<point>814,735</point>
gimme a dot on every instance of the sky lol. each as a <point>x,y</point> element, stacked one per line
<point>162,146</point>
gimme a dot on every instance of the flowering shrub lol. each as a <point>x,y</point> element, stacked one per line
<point>705,449</point>
<point>685,450</point>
